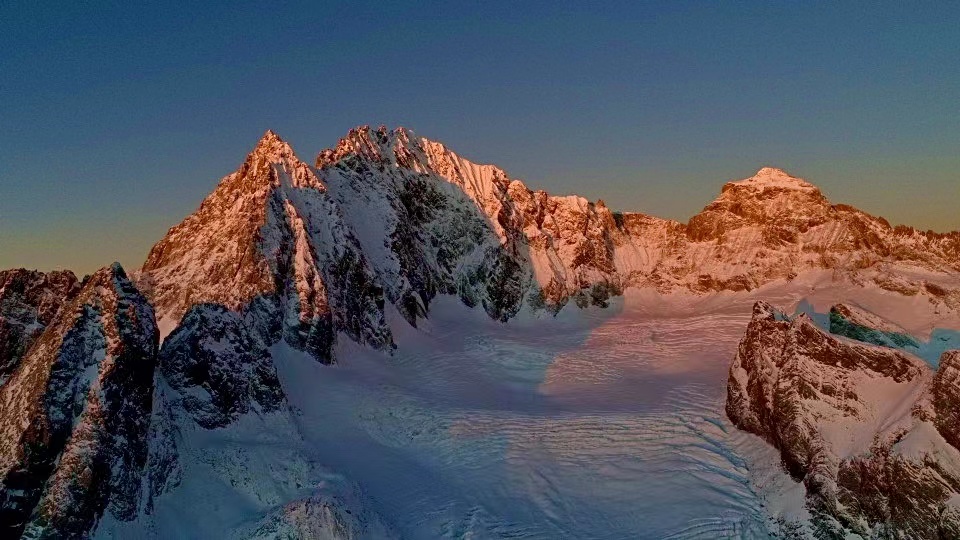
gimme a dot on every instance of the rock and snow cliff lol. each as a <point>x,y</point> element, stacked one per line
<point>870,430</point>
<point>269,241</point>
<point>75,413</point>
<point>28,302</point>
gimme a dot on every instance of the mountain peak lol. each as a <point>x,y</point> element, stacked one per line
<point>368,143</point>
<point>772,171</point>
<point>769,197</point>
<point>774,177</point>
<point>80,403</point>
<point>269,136</point>
<point>271,147</point>
<point>272,162</point>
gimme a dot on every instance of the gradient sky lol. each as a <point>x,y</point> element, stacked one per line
<point>115,120</point>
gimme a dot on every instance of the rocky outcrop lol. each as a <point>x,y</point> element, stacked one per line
<point>869,430</point>
<point>771,196</point>
<point>270,238</point>
<point>945,396</point>
<point>433,222</point>
<point>218,368</point>
<point>385,217</point>
<point>29,300</point>
<point>75,413</point>
<point>774,226</point>
<point>336,511</point>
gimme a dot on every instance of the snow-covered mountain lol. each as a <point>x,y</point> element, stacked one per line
<point>108,433</point>
<point>870,430</point>
<point>387,217</point>
<point>270,239</point>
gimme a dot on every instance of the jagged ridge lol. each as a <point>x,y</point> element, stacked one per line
<point>75,413</point>
<point>386,217</point>
<point>869,430</point>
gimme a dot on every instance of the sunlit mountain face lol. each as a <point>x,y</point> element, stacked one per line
<point>388,340</point>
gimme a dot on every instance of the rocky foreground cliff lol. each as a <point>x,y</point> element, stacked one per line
<point>29,300</point>
<point>870,430</point>
<point>75,414</point>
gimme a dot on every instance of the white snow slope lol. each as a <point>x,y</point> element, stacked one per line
<point>600,423</point>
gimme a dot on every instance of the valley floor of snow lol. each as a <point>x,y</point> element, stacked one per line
<point>599,423</point>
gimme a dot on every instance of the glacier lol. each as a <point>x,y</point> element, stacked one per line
<point>596,423</point>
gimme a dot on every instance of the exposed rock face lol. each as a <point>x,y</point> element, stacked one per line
<point>774,226</point>
<point>386,217</point>
<point>214,370</point>
<point>771,196</point>
<point>28,302</point>
<point>270,237</point>
<point>868,430</point>
<point>945,395</point>
<point>433,222</point>
<point>783,364</point>
<point>74,415</point>
<point>218,367</point>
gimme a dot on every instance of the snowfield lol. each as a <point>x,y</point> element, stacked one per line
<point>599,423</point>
<point>439,419</point>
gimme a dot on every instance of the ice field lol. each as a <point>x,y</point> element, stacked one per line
<point>599,423</point>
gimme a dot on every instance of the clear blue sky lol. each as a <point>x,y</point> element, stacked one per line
<point>116,120</point>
